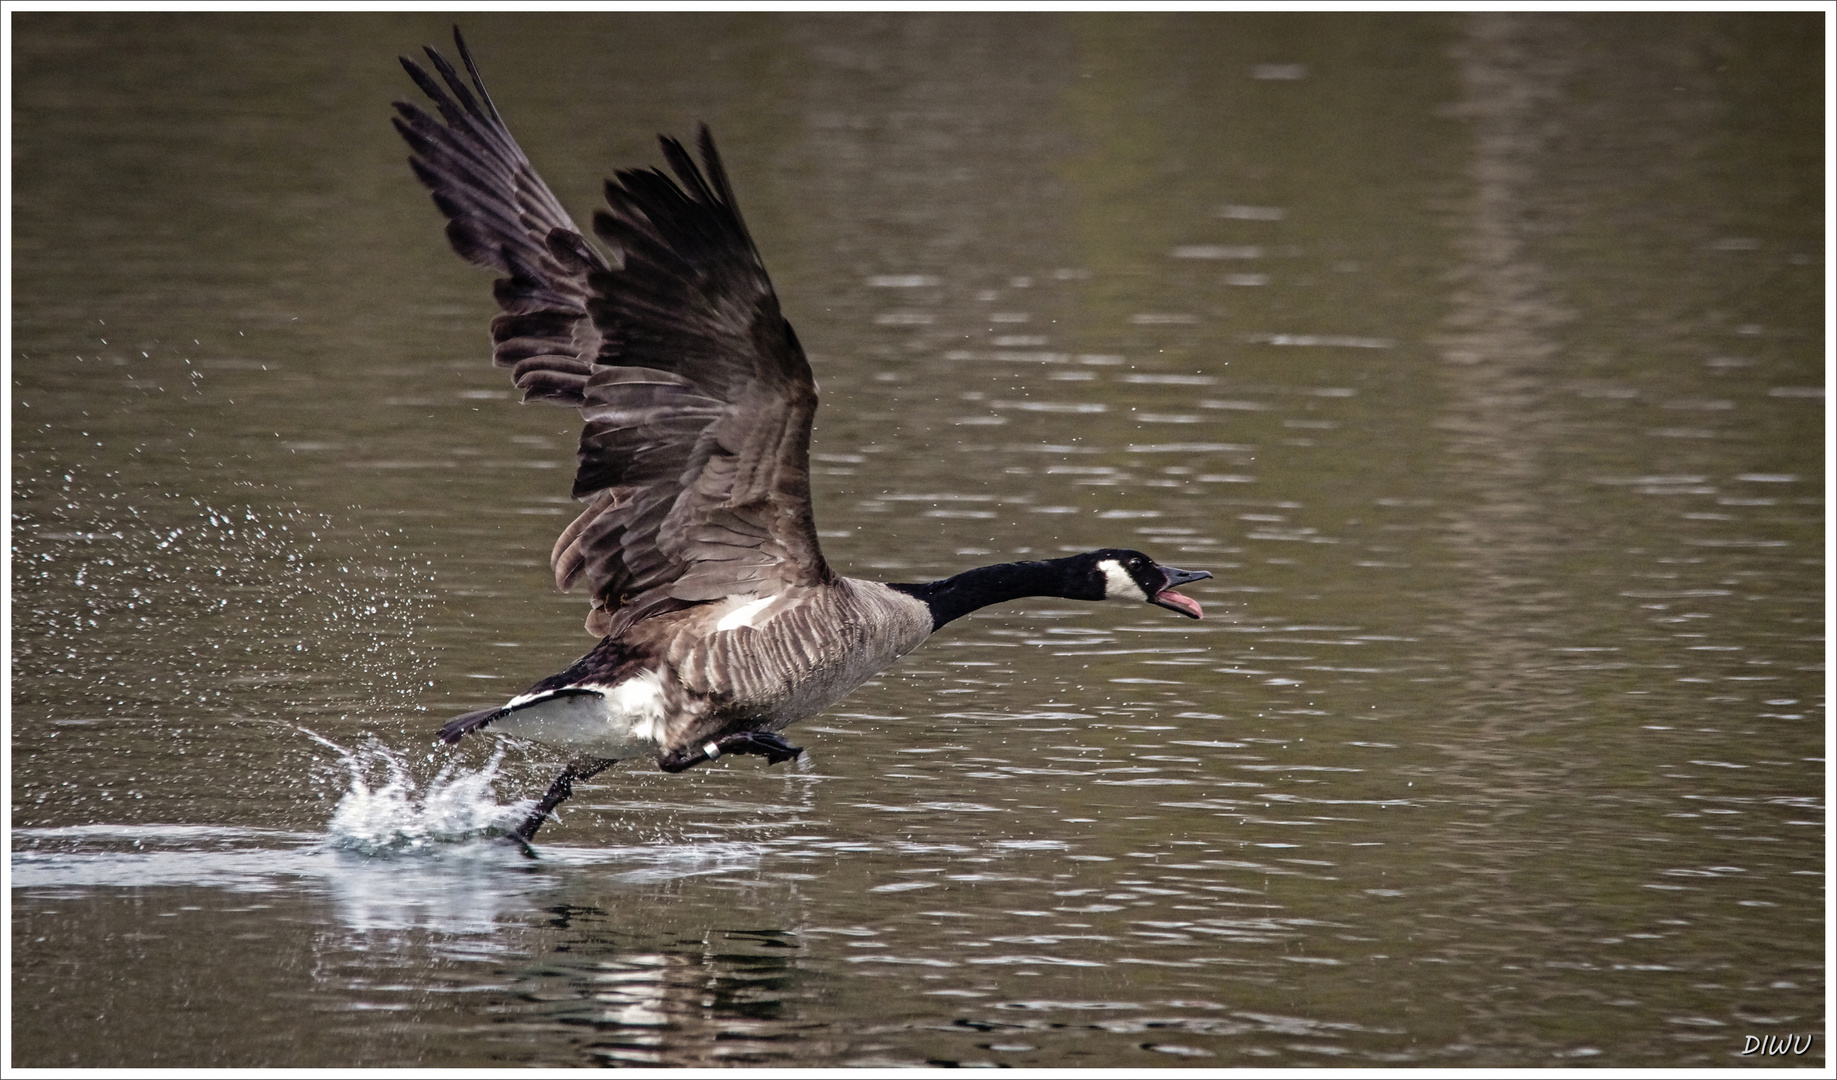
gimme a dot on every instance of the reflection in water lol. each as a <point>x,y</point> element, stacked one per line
<point>1500,417</point>
<point>723,997</point>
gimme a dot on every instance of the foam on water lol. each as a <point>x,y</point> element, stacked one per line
<point>397,814</point>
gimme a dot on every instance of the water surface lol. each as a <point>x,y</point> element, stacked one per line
<point>1480,359</point>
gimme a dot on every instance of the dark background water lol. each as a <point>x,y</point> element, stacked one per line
<point>1480,359</point>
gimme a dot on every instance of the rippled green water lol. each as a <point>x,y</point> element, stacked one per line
<point>1480,359</point>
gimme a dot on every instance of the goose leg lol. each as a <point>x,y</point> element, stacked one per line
<point>557,794</point>
<point>765,743</point>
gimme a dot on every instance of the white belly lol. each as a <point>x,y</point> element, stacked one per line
<point>623,721</point>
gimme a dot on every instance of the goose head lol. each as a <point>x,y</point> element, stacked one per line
<point>1124,574</point>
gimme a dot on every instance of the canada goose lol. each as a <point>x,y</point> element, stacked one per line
<point>719,621</point>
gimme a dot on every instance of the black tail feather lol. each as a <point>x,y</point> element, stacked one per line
<point>453,729</point>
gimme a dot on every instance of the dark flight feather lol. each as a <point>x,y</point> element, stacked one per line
<point>696,396</point>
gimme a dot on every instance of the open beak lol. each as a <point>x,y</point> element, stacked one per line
<point>1174,601</point>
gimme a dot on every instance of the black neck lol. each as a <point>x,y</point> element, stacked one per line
<point>955,597</point>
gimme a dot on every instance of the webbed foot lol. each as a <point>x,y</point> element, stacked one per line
<point>773,748</point>
<point>558,793</point>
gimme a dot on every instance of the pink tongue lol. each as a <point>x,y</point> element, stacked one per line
<point>1183,602</point>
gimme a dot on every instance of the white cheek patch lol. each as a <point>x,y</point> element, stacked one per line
<point>1118,585</point>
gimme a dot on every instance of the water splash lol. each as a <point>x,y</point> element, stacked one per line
<point>213,606</point>
<point>396,814</point>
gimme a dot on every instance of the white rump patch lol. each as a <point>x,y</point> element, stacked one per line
<point>743,615</point>
<point>1118,584</point>
<point>625,720</point>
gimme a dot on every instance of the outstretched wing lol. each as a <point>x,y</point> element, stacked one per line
<point>500,215</point>
<point>698,400</point>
